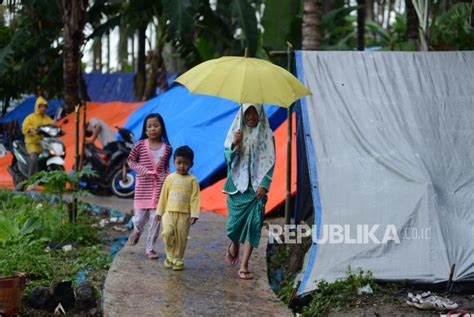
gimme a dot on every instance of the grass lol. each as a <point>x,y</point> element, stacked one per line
<point>340,294</point>
<point>32,233</point>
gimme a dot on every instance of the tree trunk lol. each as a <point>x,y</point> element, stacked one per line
<point>382,13</point>
<point>361,25</point>
<point>471,22</point>
<point>83,88</point>
<point>326,6</point>
<point>446,4</point>
<point>6,104</point>
<point>74,12</point>
<point>108,52</point>
<point>157,66</point>
<point>151,82</point>
<point>122,47</point>
<point>134,66</point>
<point>97,54</point>
<point>141,66</point>
<point>412,21</point>
<point>369,9</point>
<point>311,31</point>
<point>391,8</point>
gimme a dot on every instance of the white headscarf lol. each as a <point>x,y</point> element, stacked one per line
<point>257,144</point>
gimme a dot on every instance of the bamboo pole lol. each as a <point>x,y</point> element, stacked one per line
<point>288,150</point>
<point>73,214</point>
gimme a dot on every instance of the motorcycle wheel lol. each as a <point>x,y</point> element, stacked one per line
<point>123,187</point>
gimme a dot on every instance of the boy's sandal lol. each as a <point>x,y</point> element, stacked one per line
<point>245,275</point>
<point>178,265</point>
<point>168,263</point>
<point>231,260</point>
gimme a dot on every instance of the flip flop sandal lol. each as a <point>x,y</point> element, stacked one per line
<point>152,255</point>
<point>245,275</point>
<point>134,237</point>
<point>231,260</point>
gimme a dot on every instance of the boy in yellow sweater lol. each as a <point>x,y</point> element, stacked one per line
<point>178,208</point>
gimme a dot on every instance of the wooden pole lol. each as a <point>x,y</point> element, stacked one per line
<point>83,139</point>
<point>288,151</point>
<point>449,286</point>
<point>73,216</point>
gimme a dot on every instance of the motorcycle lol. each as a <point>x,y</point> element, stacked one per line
<point>110,163</point>
<point>50,159</point>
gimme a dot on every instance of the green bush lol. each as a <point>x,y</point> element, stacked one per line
<point>32,233</point>
<point>338,295</point>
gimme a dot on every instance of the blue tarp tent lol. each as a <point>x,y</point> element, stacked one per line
<point>113,87</point>
<point>109,87</point>
<point>27,107</point>
<point>198,121</point>
<point>100,87</point>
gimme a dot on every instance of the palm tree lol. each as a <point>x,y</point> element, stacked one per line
<point>370,9</point>
<point>412,21</point>
<point>361,10</point>
<point>471,19</point>
<point>311,31</point>
<point>141,63</point>
<point>74,14</point>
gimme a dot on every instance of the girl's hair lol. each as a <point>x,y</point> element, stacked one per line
<point>164,135</point>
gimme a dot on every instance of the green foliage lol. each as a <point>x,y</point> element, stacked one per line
<point>45,266</point>
<point>214,35</point>
<point>28,226</point>
<point>181,21</point>
<point>57,182</point>
<point>244,19</point>
<point>24,219</point>
<point>338,295</point>
<point>393,39</point>
<point>277,23</point>
<point>29,58</point>
<point>451,30</point>
<point>339,29</point>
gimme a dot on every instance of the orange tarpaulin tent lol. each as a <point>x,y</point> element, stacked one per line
<point>213,199</point>
<point>112,113</point>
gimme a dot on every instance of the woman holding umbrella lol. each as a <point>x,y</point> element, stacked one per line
<point>250,157</point>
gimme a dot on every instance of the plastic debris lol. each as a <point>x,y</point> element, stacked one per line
<point>365,290</point>
<point>67,248</point>
<point>120,229</point>
<point>102,223</point>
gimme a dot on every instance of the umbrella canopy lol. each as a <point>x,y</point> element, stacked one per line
<point>244,80</point>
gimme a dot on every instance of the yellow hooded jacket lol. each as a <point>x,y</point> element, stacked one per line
<point>32,122</point>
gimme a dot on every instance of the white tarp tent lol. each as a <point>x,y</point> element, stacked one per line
<point>390,143</point>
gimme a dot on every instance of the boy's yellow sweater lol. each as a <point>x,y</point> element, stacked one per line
<point>180,193</point>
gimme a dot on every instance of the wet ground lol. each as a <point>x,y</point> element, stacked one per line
<point>137,286</point>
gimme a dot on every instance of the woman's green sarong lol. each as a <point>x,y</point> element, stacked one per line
<point>245,217</point>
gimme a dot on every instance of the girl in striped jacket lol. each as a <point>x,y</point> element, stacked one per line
<point>150,159</point>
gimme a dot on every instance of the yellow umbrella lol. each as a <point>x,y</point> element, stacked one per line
<point>244,80</point>
<point>248,80</point>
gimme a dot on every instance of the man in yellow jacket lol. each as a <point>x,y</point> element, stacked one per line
<point>32,139</point>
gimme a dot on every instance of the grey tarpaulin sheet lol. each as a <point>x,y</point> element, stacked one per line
<point>390,139</point>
